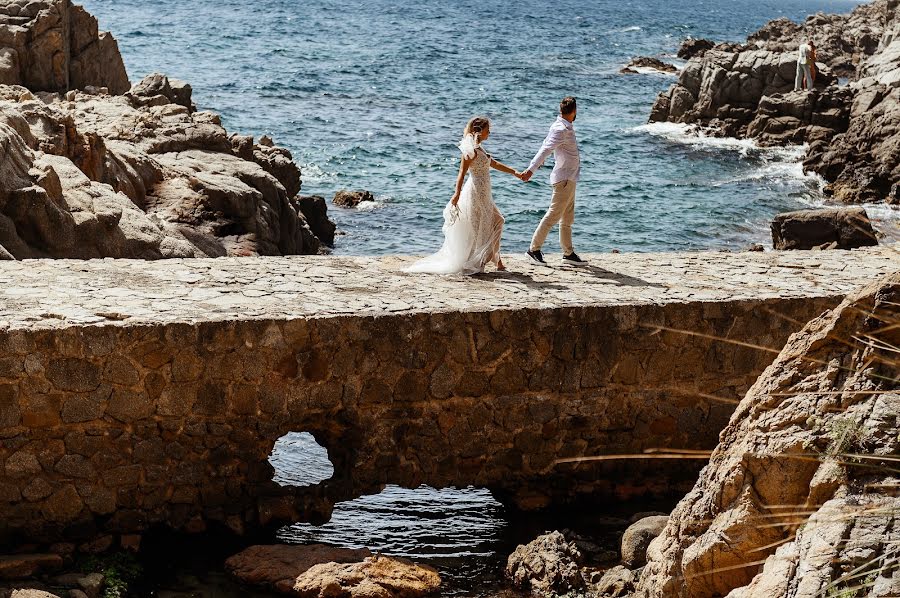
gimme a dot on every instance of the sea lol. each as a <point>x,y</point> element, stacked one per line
<point>374,95</point>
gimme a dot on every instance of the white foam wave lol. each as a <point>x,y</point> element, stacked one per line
<point>629,29</point>
<point>695,136</point>
<point>368,206</point>
<point>312,173</point>
<point>645,70</point>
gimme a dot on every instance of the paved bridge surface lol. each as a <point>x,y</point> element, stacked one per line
<point>62,293</point>
<point>135,394</point>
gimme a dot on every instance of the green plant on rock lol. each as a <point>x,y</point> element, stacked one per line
<point>120,570</point>
<point>846,436</point>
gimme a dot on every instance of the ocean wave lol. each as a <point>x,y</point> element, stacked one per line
<point>696,137</point>
<point>628,29</point>
<point>644,70</point>
<point>312,173</point>
<point>368,206</point>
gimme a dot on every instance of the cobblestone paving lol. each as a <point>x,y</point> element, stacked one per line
<point>42,294</point>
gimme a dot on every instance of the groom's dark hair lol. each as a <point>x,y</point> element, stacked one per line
<point>567,106</point>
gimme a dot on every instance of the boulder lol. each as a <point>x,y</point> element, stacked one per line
<point>839,228</point>
<point>351,199</point>
<point>618,582</point>
<point>157,89</point>
<point>809,452</point>
<point>278,566</point>
<point>547,565</point>
<point>646,62</point>
<point>694,47</point>
<point>376,577</point>
<point>315,211</point>
<point>637,538</point>
<point>31,593</point>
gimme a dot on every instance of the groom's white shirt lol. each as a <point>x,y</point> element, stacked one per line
<point>561,142</point>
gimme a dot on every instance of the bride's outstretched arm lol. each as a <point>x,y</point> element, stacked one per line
<point>504,168</point>
<point>463,169</point>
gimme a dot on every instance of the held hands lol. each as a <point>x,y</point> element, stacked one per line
<point>524,176</point>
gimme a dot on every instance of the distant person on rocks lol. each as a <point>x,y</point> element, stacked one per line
<point>472,223</point>
<point>806,64</point>
<point>562,144</point>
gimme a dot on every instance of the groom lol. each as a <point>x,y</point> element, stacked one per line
<point>561,142</point>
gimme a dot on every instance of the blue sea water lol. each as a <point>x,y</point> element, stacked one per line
<point>374,94</point>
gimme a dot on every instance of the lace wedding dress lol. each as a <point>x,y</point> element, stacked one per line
<point>471,235</point>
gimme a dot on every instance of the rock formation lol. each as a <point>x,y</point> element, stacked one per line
<point>722,89</point>
<point>548,565</point>
<point>694,47</point>
<point>376,577</point>
<point>49,45</point>
<point>845,228</point>
<point>852,131</point>
<point>278,566</point>
<point>90,167</point>
<point>351,199</point>
<point>842,41</point>
<point>646,62</point>
<point>799,499</point>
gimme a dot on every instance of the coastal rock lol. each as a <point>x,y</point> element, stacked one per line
<point>315,211</point>
<point>842,228</point>
<point>618,582</point>
<point>351,199</point>
<point>86,174</point>
<point>807,452</point>
<point>863,165</point>
<point>722,89</point>
<point>278,566</point>
<point>157,89</point>
<point>637,538</point>
<point>376,577</point>
<point>851,131</point>
<point>694,47</point>
<point>547,565</point>
<point>799,117</point>
<point>646,62</point>
<point>53,45</point>
<point>842,41</point>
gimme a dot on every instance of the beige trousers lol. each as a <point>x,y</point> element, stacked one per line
<point>562,210</point>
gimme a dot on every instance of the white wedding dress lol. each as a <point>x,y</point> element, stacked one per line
<point>472,235</point>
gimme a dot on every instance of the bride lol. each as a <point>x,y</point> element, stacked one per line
<point>472,223</point>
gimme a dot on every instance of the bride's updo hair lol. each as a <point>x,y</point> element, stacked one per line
<point>476,126</point>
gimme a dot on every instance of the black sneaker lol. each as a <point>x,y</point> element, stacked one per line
<point>536,256</point>
<point>573,258</point>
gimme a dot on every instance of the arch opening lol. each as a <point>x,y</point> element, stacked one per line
<point>300,461</point>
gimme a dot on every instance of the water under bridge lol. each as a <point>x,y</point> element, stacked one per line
<point>142,393</point>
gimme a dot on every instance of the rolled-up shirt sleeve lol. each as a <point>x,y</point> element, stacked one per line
<point>554,138</point>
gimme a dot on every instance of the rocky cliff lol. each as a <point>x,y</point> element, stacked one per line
<point>746,91</point>
<point>800,497</point>
<point>91,167</point>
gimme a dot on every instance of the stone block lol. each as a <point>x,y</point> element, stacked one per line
<point>130,406</point>
<point>73,375</point>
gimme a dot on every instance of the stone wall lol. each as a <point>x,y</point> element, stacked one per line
<point>115,428</point>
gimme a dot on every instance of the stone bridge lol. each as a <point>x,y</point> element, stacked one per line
<point>141,393</point>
